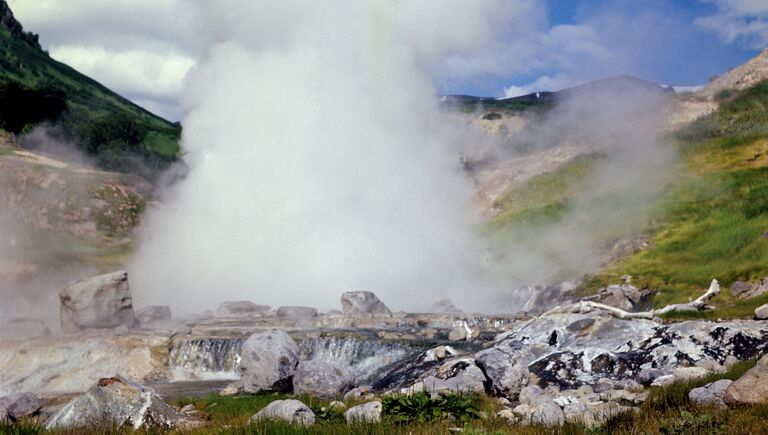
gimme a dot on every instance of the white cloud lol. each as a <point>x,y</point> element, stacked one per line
<point>543,83</point>
<point>742,21</point>
<point>141,49</point>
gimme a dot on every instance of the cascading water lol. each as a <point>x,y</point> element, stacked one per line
<point>361,356</point>
<point>219,358</point>
<point>206,358</point>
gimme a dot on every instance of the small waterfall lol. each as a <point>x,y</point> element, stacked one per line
<point>219,358</point>
<point>206,358</point>
<point>360,355</point>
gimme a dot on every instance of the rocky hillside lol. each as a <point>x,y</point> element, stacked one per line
<point>738,79</point>
<point>708,221</point>
<point>61,220</point>
<point>35,89</point>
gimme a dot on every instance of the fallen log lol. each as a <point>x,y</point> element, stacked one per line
<point>699,304</point>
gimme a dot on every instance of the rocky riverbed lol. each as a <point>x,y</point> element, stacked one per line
<point>582,362</point>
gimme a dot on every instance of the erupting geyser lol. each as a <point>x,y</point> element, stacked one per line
<point>319,161</point>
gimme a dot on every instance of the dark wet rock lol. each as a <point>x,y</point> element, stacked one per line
<point>751,387</point>
<point>21,329</point>
<point>600,346</point>
<point>268,361</point>
<point>241,309</point>
<point>16,406</point>
<point>321,379</point>
<point>366,413</point>
<point>296,312</point>
<point>291,411</point>
<point>100,302</point>
<point>153,314</point>
<point>121,402</point>
<point>359,302</point>
<point>711,394</point>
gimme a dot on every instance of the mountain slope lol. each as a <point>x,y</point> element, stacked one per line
<point>35,88</point>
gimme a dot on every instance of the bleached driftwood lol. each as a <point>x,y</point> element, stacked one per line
<point>701,303</point>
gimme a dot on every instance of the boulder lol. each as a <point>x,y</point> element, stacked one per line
<point>744,290</point>
<point>241,309</point>
<point>443,306</point>
<point>761,312</point>
<point>458,333</point>
<point>100,302</point>
<point>121,402</point>
<point>268,361</point>
<point>16,406</point>
<point>366,413</point>
<point>711,394</point>
<point>361,392</point>
<point>22,329</point>
<point>460,375</point>
<point>624,296</point>
<point>153,314</point>
<point>362,303</point>
<point>321,379</point>
<point>751,387</point>
<point>603,347</point>
<point>292,411</point>
<point>296,312</point>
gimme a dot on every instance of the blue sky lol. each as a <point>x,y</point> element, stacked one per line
<point>665,41</point>
<point>144,48</point>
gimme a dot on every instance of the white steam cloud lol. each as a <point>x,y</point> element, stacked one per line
<point>319,160</point>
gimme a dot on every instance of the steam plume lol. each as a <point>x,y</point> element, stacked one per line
<point>319,160</point>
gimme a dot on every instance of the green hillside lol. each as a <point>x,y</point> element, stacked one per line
<point>35,88</point>
<point>712,221</point>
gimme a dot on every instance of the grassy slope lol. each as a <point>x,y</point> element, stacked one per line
<point>91,107</point>
<point>712,221</point>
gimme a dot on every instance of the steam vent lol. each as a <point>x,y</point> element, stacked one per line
<point>386,217</point>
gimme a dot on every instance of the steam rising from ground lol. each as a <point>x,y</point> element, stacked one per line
<point>319,162</point>
<point>619,126</point>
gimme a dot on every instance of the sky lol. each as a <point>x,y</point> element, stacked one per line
<point>143,49</point>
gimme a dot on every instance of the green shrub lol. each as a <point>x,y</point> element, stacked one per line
<point>421,407</point>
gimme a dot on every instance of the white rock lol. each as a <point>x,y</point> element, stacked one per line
<point>268,361</point>
<point>711,394</point>
<point>359,302</point>
<point>103,301</point>
<point>292,411</point>
<point>368,412</point>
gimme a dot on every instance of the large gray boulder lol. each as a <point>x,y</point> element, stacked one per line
<point>711,394</point>
<point>121,402</point>
<point>321,379</point>
<point>22,329</point>
<point>293,312</point>
<point>103,301</point>
<point>761,312</point>
<point>362,303</point>
<point>460,375</point>
<point>366,413</point>
<point>241,309</point>
<point>571,349</point>
<point>751,387</point>
<point>153,314</point>
<point>745,290</point>
<point>16,406</point>
<point>268,361</point>
<point>292,411</point>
